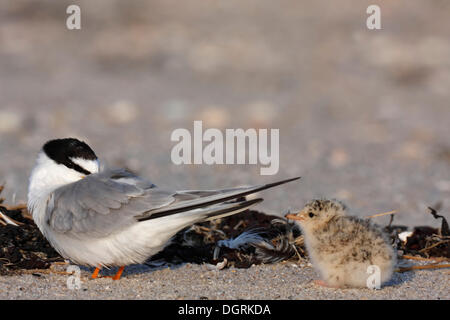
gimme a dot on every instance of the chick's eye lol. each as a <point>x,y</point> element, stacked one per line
<point>311,214</point>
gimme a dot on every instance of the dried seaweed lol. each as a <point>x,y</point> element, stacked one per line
<point>244,239</point>
<point>23,246</point>
<point>427,241</point>
<point>444,231</point>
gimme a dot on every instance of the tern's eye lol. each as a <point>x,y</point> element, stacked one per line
<point>311,214</point>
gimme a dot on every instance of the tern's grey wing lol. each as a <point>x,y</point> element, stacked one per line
<point>103,203</point>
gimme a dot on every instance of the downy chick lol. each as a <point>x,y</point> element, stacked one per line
<point>342,247</point>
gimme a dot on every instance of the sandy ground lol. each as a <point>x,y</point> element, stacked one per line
<point>280,281</point>
<point>363,115</point>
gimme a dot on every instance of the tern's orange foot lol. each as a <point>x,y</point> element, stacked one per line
<point>117,275</point>
<point>95,274</point>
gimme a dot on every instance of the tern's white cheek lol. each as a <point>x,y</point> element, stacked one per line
<point>90,165</point>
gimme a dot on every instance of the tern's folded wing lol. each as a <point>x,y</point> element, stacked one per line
<point>105,203</point>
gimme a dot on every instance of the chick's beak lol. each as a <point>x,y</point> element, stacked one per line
<point>300,216</point>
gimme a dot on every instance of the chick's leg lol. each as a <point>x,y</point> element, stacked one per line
<point>331,280</point>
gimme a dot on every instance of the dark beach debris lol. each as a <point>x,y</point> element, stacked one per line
<point>444,231</point>
<point>7,220</point>
<point>427,241</point>
<point>22,246</point>
<point>244,239</point>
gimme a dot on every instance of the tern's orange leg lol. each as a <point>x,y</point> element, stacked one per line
<point>95,274</point>
<point>117,276</point>
<point>119,273</point>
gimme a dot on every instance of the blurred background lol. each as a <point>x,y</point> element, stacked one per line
<point>364,115</point>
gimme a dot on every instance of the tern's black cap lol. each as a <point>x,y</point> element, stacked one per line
<point>62,151</point>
